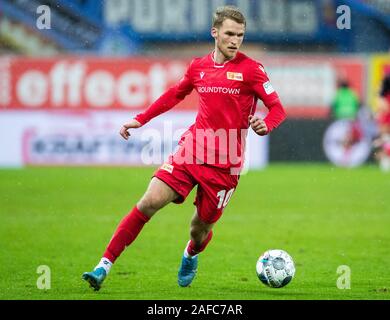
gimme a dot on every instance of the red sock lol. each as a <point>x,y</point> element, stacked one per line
<point>126,232</point>
<point>192,249</point>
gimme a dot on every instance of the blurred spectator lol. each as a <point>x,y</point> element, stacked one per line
<point>346,103</point>
<point>382,144</point>
<point>345,106</point>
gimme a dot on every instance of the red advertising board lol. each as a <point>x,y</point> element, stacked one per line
<point>87,83</point>
<point>306,85</point>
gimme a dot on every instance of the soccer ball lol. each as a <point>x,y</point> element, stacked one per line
<point>275,268</point>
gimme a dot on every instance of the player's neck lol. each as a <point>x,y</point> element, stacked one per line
<point>220,58</point>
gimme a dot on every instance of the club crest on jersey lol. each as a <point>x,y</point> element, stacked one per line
<point>234,76</point>
<point>167,167</point>
<point>201,75</point>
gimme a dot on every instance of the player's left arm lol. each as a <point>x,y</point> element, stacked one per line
<point>263,90</point>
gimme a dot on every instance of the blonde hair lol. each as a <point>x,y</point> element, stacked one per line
<point>227,12</point>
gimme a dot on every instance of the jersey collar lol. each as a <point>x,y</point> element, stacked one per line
<point>221,65</point>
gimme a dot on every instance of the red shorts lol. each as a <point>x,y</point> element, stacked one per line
<point>215,186</point>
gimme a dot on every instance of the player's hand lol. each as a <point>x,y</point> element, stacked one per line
<point>258,125</point>
<point>133,124</point>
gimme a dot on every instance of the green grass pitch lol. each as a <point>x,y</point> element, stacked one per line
<point>323,216</point>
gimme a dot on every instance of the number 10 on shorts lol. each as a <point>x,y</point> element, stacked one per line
<point>224,198</point>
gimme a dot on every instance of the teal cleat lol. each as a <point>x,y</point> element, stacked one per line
<point>95,278</point>
<point>187,271</point>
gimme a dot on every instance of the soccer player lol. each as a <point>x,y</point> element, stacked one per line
<point>383,120</point>
<point>210,153</point>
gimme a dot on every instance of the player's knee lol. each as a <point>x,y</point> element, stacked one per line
<point>149,204</point>
<point>198,234</point>
<point>194,233</point>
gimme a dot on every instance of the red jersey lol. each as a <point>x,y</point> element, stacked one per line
<point>228,94</point>
<point>384,117</point>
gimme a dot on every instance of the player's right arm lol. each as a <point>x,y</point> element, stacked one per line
<point>164,103</point>
<point>132,124</point>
